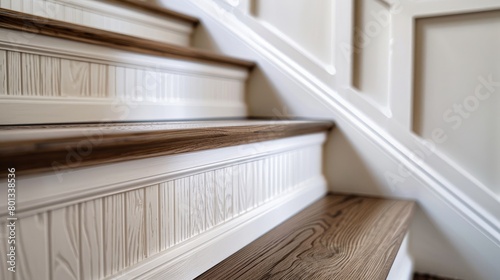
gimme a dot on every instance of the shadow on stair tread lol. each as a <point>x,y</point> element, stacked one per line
<point>338,237</point>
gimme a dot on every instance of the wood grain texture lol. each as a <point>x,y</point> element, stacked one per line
<point>3,72</point>
<point>114,234</point>
<point>156,9</point>
<point>45,147</point>
<point>152,225</point>
<point>135,226</point>
<point>338,237</point>
<point>65,243</point>
<point>92,239</point>
<point>424,276</point>
<point>44,26</point>
<point>32,248</point>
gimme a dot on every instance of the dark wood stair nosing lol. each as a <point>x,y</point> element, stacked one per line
<point>32,154</point>
<point>54,28</point>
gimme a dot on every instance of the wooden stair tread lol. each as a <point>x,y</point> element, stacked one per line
<point>35,148</point>
<point>338,237</point>
<point>155,9</point>
<point>39,25</point>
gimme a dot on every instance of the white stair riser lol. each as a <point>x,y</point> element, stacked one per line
<point>40,75</point>
<point>107,17</point>
<point>93,226</point>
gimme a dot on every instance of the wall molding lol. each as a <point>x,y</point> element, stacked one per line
<point>392,139</point>
<point>325,70</point>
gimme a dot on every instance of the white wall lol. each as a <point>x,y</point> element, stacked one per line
<point>375,149</point>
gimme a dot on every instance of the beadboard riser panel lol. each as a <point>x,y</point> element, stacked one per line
<point>49,76</point>
<point>107,17</point>
<point>100,237</point>
<point>52,190</point>
<point>39,76</point>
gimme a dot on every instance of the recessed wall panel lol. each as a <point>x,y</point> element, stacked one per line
<point>457,91</point>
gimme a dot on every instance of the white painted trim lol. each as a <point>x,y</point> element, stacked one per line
<point>32,110</point>
<point>189,260</point>
<point>454,189</point>
<point>52,190</point>
<point>402,268</point>
<point>325,70</point>
<point>171,89</point>
<point>68,49</point>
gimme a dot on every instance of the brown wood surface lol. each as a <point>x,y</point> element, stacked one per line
<point>155,9</point>
<point>338,237</point>
<point>422,276</point>
<point>54,28</point>
<point>36,148</point>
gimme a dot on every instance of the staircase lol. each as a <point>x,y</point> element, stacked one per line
<point>134,158</point>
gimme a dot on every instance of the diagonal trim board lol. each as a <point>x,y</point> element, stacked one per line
<point>54,28</point>
<point>36,148</point>
<point>338,237</point>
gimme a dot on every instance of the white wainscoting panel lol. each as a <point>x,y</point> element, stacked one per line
<point>457,91</point>
<point>89,83</point>
<point>105,16</point>
<point>142,222</point>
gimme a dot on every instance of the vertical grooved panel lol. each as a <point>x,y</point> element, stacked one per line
<point>65,243</point>
<point>210,199</point>
<point>197,205</point>
<point>135,226</point>
<point>114,234</point>
<point>242,186</point>
<point>236,189</point>
<point>51,74</point>
<point>3,72</point>
<point>14,73</point>
<point>228,195</point>
<point>111,92</point>
<point>75,78</point>
<point>120,81</point>
<point>98,80</point>
<point>220,196</point>
<point>91,232</point>
<point>249,185</point>
<point>182,222</point>
<point>152,220</point>
<point>32,247</point>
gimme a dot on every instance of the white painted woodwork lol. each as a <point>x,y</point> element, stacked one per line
<point>92,238</point>
<point>457,91</point>
<point>115,255</point>
<point>64,230</point>
<point>106,16</point>
<point>371,50</point>
<point>306,25</point>
<point>33,254</point>
<point>374,151</point>
<point>91,225</point>
<point>46,75</point>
